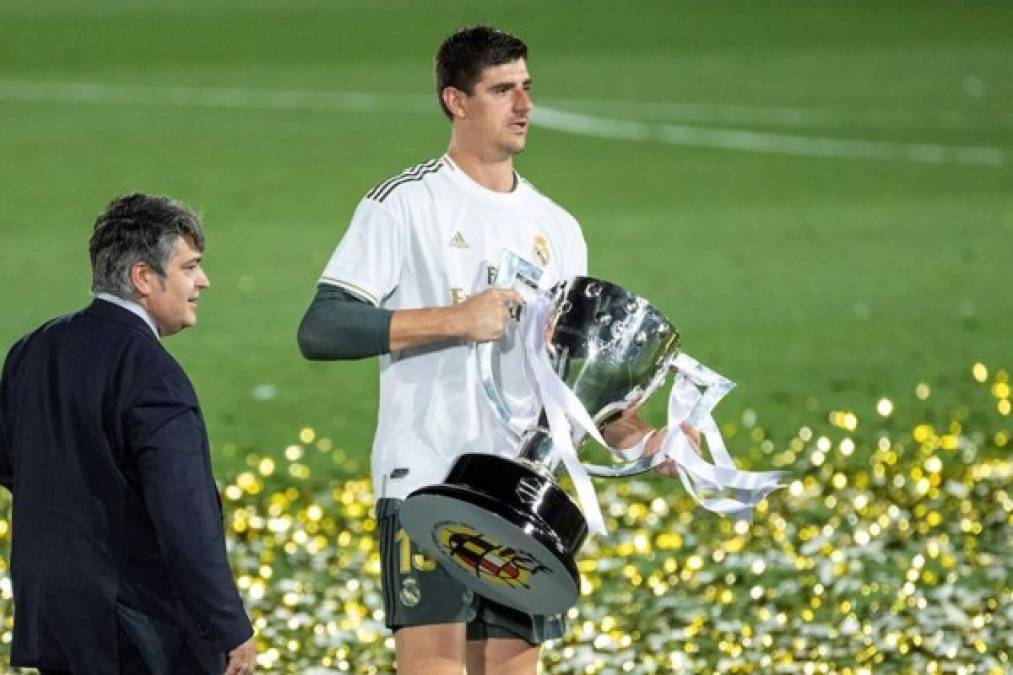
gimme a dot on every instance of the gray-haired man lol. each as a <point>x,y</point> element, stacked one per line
<point>118,549</point>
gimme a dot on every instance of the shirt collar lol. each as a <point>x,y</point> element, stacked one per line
<point>460,175</point>
<point>130,306</point>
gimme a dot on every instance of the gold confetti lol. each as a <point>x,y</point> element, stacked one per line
<point>886,555</point>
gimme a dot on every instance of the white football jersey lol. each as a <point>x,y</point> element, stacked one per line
<point>430,237</point>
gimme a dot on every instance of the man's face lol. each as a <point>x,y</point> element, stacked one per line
<point>172,299</point>
<point>498,110</point>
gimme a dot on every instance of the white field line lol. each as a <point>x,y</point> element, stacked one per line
<point>212,97</point>
<point>549,118</point>
<point>791,117</point>
<point>760,142</point>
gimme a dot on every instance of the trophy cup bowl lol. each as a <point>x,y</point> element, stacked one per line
<point>503,527</point>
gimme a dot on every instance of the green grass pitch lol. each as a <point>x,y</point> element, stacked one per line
<point>815,282</point>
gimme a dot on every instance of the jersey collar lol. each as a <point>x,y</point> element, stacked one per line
<point>464,179</point>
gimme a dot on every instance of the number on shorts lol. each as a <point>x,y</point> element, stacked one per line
<point>406,560</point>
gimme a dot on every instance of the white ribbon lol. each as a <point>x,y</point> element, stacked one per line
<point>635,452</point>
<point>561,405</point>
<point>687,403</point>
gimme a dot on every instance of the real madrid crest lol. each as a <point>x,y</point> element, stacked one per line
<point>540,248</point>
<point>411,594</point>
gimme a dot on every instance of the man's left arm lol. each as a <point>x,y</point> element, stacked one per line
<point>629,430</point>
<point>173,460</point>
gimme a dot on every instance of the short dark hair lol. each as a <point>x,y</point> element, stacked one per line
<point>463,56</point>
<point>137,228</point>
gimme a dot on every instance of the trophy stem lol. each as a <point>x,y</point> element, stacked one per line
<point>536,448</point>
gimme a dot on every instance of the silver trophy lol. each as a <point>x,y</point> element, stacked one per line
<point>502,526</point>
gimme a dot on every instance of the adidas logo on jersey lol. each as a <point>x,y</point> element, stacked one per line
<point>457,241</point>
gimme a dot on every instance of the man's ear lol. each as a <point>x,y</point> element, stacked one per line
<point>453,98</point>
<point>142,277</point>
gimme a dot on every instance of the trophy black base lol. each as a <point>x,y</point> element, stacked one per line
<point>504,529</point>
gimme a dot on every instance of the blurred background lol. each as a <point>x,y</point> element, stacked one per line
<point>817,194</point>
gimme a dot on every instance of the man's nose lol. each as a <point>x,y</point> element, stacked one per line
<point>522,102</point>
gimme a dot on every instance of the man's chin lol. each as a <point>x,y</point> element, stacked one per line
<point>516,147</point>
<point>182,325</point>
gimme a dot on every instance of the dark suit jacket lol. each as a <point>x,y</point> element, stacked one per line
<point>116,513</point>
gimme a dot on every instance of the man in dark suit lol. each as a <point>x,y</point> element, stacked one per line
<point>118,555</point>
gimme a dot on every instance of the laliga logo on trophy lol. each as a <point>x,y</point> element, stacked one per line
<point>503,526</point>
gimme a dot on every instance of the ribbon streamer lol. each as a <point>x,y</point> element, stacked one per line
<point>687,404</point>
<point>560,403</point>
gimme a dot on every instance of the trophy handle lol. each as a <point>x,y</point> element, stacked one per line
<point>511,269</point>
<point>634,468</point>
<point>714,387</point>
<point>639,464</point>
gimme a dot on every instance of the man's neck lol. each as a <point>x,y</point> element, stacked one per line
<point>133,306</point>
<point>493,173</point>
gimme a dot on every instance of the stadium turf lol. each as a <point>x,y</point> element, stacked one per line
<point>817,282</point>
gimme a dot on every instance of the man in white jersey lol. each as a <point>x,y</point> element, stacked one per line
<point>410,281</point>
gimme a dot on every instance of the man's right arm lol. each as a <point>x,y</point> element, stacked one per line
<point>338,325</point>
<point>480,318</point>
